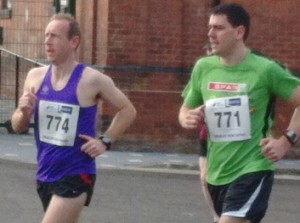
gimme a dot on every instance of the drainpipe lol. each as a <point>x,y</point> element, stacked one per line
<point>94,34</point>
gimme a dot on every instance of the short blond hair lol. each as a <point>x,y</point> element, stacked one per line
<point>74,28</point>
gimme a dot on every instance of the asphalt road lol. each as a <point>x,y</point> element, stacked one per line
<point>127,196</point>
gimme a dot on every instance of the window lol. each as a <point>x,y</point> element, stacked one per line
<point>5,10</point>
<point>5,4</point>
<point>65,6</point>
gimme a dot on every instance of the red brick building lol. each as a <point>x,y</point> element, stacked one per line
<point>149,46</point>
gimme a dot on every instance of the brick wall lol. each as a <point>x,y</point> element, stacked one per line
<point>275,30</point>
<point>170,34</point>
<point>151,48</point>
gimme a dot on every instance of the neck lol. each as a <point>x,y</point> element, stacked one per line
<point>64,69</point>
<point>235,56</point>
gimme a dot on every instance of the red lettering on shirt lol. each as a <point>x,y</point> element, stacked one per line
<point>218,86</point>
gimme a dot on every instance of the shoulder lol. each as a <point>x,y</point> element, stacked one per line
<point>96,81</point>
<point>93,76</point>
<point>35,77</point>
<point>205,65</point>
<point>207,61</point>
<point>38,71</point>
<point>262,59</point>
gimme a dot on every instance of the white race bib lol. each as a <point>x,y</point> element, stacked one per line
<point>58,122</point>
<point>228,118</point>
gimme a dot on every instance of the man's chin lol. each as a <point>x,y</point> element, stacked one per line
<point>215,52</point>
<point>50,59</point>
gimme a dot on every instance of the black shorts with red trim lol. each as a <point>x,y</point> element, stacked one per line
<point>69,187</point>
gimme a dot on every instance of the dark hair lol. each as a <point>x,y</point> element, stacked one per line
<point>236,15</point>
<point>73,24</point>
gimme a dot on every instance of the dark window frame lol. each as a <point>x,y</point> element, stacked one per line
<point>6,9</point>
<point>69,8</point>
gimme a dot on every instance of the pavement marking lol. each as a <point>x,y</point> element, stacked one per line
<point>135,161</point>
<point>103,156</point>
<point>287,177</point>
<point>172,155</point>
<point>11,154</point>
<point>25,144</point>
<point>27,137</point>
<point>187,214</point>
<point>136,155</point>
<point>107,166</point>
<point>176,161</point>
<point>160,170</point>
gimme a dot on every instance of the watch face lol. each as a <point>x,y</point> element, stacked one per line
<point>106,140</point>
<point>292,136</point>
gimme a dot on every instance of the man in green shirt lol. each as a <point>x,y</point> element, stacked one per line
<point>234,90</point>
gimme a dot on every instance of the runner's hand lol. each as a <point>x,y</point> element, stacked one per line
<point>275,149</point>
<point>194,118</point>
<point>93,147</point>
<point>27,102</point>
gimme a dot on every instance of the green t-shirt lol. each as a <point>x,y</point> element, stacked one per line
<point>256,81</point>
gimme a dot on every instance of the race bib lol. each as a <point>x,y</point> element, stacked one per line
<point>58,122</point>
<point>228,118</point>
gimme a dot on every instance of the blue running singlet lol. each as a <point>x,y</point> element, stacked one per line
<point>59,120</point>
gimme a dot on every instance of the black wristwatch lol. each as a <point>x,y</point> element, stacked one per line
<point>291,136</point>
<point>106,141</point>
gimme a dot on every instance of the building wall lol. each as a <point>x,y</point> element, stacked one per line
<point>149,47</point>
<point>153,45</point>
<point>23,32</point>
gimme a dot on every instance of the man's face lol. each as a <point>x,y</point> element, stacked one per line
<point>222,35</point>
<point>57,44</point>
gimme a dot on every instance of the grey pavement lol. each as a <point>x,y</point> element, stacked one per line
<point>22,148</point>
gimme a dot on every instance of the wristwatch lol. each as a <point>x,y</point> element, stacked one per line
<point>106,140</point>
<point>291,136</point>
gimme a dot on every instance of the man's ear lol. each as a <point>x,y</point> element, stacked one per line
<point>241,31</point>
<point>75,41</point>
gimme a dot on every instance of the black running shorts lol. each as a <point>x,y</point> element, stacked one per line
<point>246,197</point>
<point>69,186</point>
